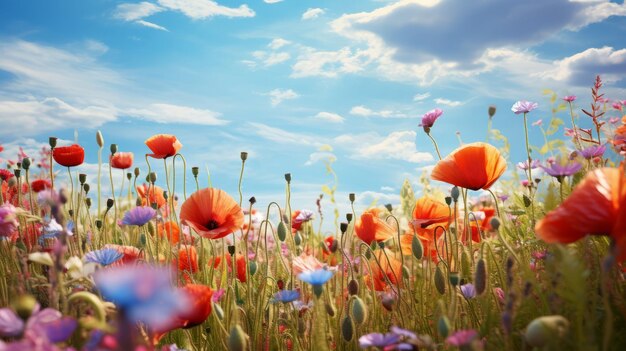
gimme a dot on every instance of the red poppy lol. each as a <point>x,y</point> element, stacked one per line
<point>329,250</point>
<point>121,160</point>
<point>163,145</point>
<point>69,156</point>
<point>130,254</point>
<point>240,262</point>
<point>5,174</point>
<point>40,185</point>
<point>390,270</point>
<point>188,259</point>
<point>428,240</point>
<point>199,306</point>
<point>473,166</point>
<point>169,230</point>
<point>151,195</point>
<point>212,213</point>
<point>597,206</point>
<point>430,213</point>
<point>369,228</point>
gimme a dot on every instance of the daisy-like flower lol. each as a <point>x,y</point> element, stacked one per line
<point>560,170</point>
<point>379,340</point>
<point>593,151</point>
<point>523,106</point>
<point>429,118</point>
<point>286,296</point>
<point>569,98</point>
<point>139,216</point>
<point>104,257</point>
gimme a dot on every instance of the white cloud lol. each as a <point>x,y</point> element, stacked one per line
<point>167,113</point>
<point>399,145</point>
<point>96,47</point>
<point>282,136</point>
<point>320,156</point>
<point>386,189</point>
<point>132,12</point>
<point>312,13</point>
<point>329,117</point>
<point>272,1</point>
<point>329,64</point>
<point>421,97</point>
<point>151,25</point>
<point>278,43</point>
<point>202,9</point>
<point>367,112</point>
<point>277,96</point>
<point>582,67</point>
<point>447,102</point>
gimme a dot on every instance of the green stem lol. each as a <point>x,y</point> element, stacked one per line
<point>434,143</point>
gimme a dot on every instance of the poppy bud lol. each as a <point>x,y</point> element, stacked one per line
<point>352,197</point>
<point>440,282</point>
<point>353,287</point>
<point>288,177</point>
<point>237,340</point>
<point>480,277</point>
<point>334,246</point>
<point>466,265</point>
<point>71,212</point>
<point>17,172</point>
<point>26,163</point>
<point>99,139</point>
<point>281,231</point>
<point>389,207</point>
<point>491,111</point>
<point>343,226</point>
<point>195,171</point>
<point>297,239</point>
<point>53,142</point>
<point>542,330</point>
<point>252,267</point>
<point>88,202</point>
<point>110,203</point>
<point>129,176</point>
<point>454,278</point>
<point>417,248</point>
<point>99,223</point>
<point>388,301</point>
<point>82,178</point>
<point>113,149</point>
<point>359,311</point>
<point>347,328</point>
<point>244,156</point>
<point>136,172</point>
<point>349,217</point>
<point>448,200</point>
<point>330,309</point>
<point>153,177</point>
<point>252,200</point>
<point>219,312</point>
<point>455,193</point>
<point>231,249</point>
<point>443,326</point>
<point>494,223</point>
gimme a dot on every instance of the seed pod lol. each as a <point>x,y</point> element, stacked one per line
<point>343,226</point>
<point>455,193</point>
<point>349,217</point>
<point>99,139</point>
<point>352,197</point>
<point>136,172</point>
<point>252,267</point>
<point>110,203</point>
<point>288,177</point>
<point>244,156</point>
<point>129,175</point>
<point>88,202</point>
<point>480,277</point>
<point>347,328</point>
<point>53,142</point>
<point>417,248</point>
<point>353,287</point>
<point>491,111</point>
<point>359,311</point>
<point>443,326</point>
<point>454,278</point>
<point>237,340</point>
<point>86,187</point>
<point>231,249</point>
<point>26,163</point>
<point>297,239</point>
<point>440,282</point>
<point>466,264</point>
<point>82,178</point>
<point>113,149</point>
<point>195,171</point>
<point>152,177</point>
<point>282,231</point>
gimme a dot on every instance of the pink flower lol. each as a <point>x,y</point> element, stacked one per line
<point>524,106</point>
<point>538,123</point>
<point>429,118</point>
<point>462,337</point>
<point>8,220</point>
<point>617,106</point>
<point>569,98</point>
<point>614,120</point>
<point>499,294</point>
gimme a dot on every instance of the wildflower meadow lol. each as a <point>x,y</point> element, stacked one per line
<point>291,175</point>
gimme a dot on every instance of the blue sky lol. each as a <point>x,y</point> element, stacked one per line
<point>282,79</point>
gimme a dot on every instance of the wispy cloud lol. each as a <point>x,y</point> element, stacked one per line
<point>167,113</point>
<point>312,13</point>
<point>202,9</point>
<point>278,43</point>
<point>399,145</point>
<point>368,112</point>
<point>421,97</point>
<point>278,95</point>
<point>448,102</point>
<point>283,136</point>
<point>329,117</point>
<point>132,12</point>
<point>151,25</point>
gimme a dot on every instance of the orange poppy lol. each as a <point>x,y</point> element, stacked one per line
<point>390,270</point>
<point>473,166</point>
<point>212,213</point>
<point>187,259</point>
<point>240,262</point>
<point>151,195</point>
<point>69,156</point>
<point>429,212</point>
<point>40,185</point>
<point>369,228</point>
<point>329,250</point>
<point>163,145</point>
<point>427,237</point>
<point>170,230</point>
<point>121,160</point>
<point>597,206</point>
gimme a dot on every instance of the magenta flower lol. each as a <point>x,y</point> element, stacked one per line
<point>8,220</point>
<point>462,337</point>
<point>524,106</point>
<point>524,165</point>
<point>569,98</point>
<point>593,151</point>
<point>139,216</point>
<point>429,118</point>
<point>613,120</point>
<point>617,106</point>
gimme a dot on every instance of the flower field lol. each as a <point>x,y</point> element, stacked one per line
<point>496,255</point>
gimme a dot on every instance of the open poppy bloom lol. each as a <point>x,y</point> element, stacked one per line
<point>369,228</point>
<point>69,156</point>
<point>151,195</point>
<point>163,145</point>
<point>473,166</point>
<point>198,307</point>
<point>212,213</point>
<point>188,259</point>
<point>169,230</point>
<point>121,160</point>
<point>429,213</point>
<point>240,262</point>
<point>605,190</point>
<point>390,270</point>
<point>40,185</point>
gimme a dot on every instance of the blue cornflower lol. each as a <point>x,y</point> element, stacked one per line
<point>316,277</point>
<point>139,216</point>
<point>468,291</point>
<point>104,257</point>
<point>286,296</point>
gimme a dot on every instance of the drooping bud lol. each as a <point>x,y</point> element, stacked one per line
<point>359,311</point>
<point>353,287</point>
<point>443,326</point>
<point>491,111</point>
<point>238,339</point>
<point>417,248</point>
<point>480,277</point>
<point>440,282</point>
<point>541,331</point>
<point>110,203</point>
<point>389,207</point>
<point>455,193</point>
<point>347,328</point>
<point>281,231</point>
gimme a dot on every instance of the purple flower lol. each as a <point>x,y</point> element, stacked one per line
<point>8,220</point>
<point>593,151</point>
<point>523,106</point>
<point>569,98</point>
<point>468,290</point>
<point>429,118</point>
<point>403,332</point>
<point>139,216</point>
<point>559,170</point>
<point>524,165</point>
<point>10,324</point>
<point>142,292</point>
<point>104,257</point>
<point>303,216</point>
<point>462,337</point>
<point>378,340</point>
<point>286,296</point>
